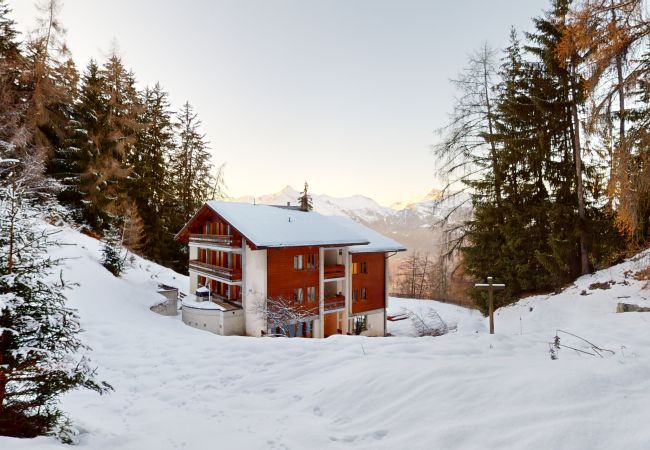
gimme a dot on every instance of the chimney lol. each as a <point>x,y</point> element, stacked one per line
<point>288,203</point>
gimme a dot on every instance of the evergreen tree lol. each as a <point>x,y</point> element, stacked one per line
<point>12,87</point>
<point>150,184</point>
<point>41,356</point>
<point>191,167</point>
<point>102,134</point>
<point>111,252</point>
<point>304,200</point>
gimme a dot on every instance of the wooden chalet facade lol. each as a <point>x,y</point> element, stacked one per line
<point>242,255</point>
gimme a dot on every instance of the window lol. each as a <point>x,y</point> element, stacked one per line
<point>311,261</point>
<point>360,324</point>
<point>364,267</point>
<point>355,268</point>
<point>311,294</point>
<point>297,262</point>
<point>363,294</point>
<point>355,295</point>
<point>297,295</point>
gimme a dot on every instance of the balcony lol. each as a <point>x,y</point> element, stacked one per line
<point>334,303</point>
<point>220,240</point>
<point>217,271</point>
<point>335,271</point>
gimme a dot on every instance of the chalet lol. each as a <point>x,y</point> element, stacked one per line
<point>243,255</point>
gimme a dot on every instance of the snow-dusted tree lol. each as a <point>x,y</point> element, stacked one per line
<point>111,252</point>
<point>304,200</point>
<point>281,313</point>
<point>41,356</point>
<point>428,323</point>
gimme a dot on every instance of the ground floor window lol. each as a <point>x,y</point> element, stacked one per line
<point>360,324</point>
<point>298,329</point>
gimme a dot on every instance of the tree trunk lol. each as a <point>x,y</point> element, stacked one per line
<point>577,156</point>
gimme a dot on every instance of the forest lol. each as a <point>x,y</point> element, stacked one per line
<point>121,160</point>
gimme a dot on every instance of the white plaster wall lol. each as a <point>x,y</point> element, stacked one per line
<point>316,329</point>
<point>376,325</point>
<point>254,289</point>
<point>233,323</point>
<point>194,281</point>
<point>203,319</point>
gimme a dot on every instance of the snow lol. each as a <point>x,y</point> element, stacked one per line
<point>191,302</point>
<point>270,226</point>
<point>377,241</point>
<point>179,387</point>
<point>356,206</point>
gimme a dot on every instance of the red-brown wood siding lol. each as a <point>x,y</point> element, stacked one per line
<point>207,221</point>
<point>373,282</point>
<point>282,279</point>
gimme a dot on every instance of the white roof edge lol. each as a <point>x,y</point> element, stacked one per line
<point>268,226</point>
<point>377,250</point>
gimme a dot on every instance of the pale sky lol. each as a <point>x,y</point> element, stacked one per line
<point>345,94</point>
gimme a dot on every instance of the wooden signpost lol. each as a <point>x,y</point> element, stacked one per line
<point>490,286</point>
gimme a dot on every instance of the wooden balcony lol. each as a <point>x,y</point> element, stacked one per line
<point>334,303</point>
<point>221,240</point>
<point>336,271</point>
<point>217,271</point>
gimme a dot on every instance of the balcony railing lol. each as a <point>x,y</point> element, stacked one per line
<point>215,239</point>
<point>335,271</point>
<point>334,303</point>
<point>218,271</point>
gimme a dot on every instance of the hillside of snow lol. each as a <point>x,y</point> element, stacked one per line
<point>181,388</point>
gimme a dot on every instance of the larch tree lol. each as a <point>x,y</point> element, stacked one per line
<point>467,150</point>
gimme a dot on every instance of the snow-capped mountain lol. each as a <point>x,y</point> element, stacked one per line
<point>356,207</point>
<point>410,223</point>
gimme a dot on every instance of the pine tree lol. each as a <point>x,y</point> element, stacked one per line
<point>149,183</point>
<point>111,252</point>
<point>41,356</point>
<point>12,87</point>
<point>191,167</point>
<point>304,200</point>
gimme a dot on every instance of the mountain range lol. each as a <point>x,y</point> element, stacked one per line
<point>409,222</point>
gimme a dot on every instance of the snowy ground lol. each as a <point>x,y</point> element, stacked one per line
<point>181,388</point>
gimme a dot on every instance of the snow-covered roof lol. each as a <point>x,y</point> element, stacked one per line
<point>270,226</point>
<point>377,241</point>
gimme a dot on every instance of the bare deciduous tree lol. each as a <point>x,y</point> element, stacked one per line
<point>279,312</point>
